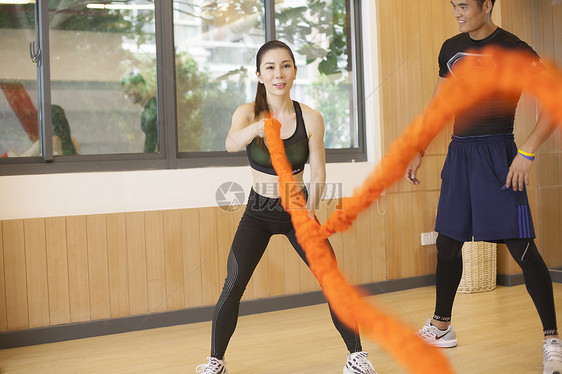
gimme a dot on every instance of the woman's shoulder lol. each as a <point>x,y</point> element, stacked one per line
<point>309,113</point>
<point>244,112</point>
<point>313,120</point>
<point>248,107</point>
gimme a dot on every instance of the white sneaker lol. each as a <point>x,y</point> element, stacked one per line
<point>357,363</point>
<point>213,366</point>
<point>438,338</point>
<point>552,352</point>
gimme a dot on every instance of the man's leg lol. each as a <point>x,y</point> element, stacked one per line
<point>448,276</point>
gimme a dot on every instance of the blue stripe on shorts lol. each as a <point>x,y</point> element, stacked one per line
<point>474,202</point>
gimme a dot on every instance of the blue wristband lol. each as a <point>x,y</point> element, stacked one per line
<point>532,158</point>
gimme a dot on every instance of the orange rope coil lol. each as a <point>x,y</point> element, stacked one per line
<point>493,71</point>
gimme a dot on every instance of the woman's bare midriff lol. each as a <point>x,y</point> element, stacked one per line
<point>268,185</point>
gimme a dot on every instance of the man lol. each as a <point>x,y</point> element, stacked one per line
<point>483,185</point>
<point>135,88</point>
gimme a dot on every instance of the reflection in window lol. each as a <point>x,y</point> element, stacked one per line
<point>319,33</point>
<point>215,46</point>
<point>103,73</point>
<point>18,80</point>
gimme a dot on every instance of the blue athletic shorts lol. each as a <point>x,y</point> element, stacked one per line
<point>474,202</point>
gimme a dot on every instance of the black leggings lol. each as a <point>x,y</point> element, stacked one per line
<point>262,218</point>
<point>524,252</point>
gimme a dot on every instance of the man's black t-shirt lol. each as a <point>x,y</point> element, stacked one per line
<point>495,114</point>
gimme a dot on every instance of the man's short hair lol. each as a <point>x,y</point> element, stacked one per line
<point>481,2</point>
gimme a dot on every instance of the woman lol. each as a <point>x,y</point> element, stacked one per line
<point>302,130</point>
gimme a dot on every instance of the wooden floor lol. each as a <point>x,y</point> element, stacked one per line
<point>498,331</point>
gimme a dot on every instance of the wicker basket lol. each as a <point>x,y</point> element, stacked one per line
<point>479,267</point>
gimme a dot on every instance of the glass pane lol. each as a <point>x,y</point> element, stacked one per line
<point>320,36</point>
<point>216,43</point>
<point>103,75</point>
<point>18,81</point>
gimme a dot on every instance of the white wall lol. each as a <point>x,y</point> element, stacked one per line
<point>52,195</point>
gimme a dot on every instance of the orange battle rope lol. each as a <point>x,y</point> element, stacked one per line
<point>477,77</point>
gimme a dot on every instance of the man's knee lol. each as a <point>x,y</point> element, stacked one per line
<point>448,249</point>
<point>524,251</point>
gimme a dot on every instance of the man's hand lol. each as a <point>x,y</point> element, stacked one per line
<point>518,175</point>
<point>412,170</point>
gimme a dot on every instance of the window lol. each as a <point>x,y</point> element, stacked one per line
<point>319,32</point>
<point>103,74</point>
<point>214,67</point>
<point>18,80</point>
<point>124,85</point>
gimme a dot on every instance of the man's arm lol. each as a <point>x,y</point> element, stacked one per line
<point>519,170</point>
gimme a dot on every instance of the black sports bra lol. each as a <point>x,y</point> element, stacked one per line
<point>296,148</point>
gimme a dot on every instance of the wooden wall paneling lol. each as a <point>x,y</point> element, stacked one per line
<point>291,269</point>
<point>349,259</point>
<point>136,262</point>
<point>97,265</point>
<point>386,36</point>
<point>326,208</point>
<point>523,21</point>
<point>78,270</point>
<point>419,224</point>
<point>556,33</point>
<point>276,265</point>
<point>117,264</point>
<point>36,272</point>
<point>432,172</point>
<point>377,222</point>
<point>432,201</point>
<point>192,258</point>
<point>443,27</point>
<point>559,168</point>
<point>260,278</point>
<point>3,322</point>
<point>236,217</point>
<point>544,223</point>
<point>211,284</point>
<point>553,249</point>
<point>17,316</point>
<point>400,77</point>
<point>441,12</point>
<point>387,66</point>
<point>557,250</point>
<point>364,248</point>
<point>307,280</point>
<point>173,257</point>
<point>428,72</point>
<point>542,226</point>
<point>407,242</point>
<point>548,169</point>
<point>57,264</point>
<point>292,262</point>
<point>506,13</point>
<point>415,46</point>
<point>539,27</point>
<point>502,259</point>
<point>226,230</point>
<point>393,234</point>
<point>155,261</point>
<point>336,240</point>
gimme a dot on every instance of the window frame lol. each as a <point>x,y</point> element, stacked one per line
<point>169,157</point>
